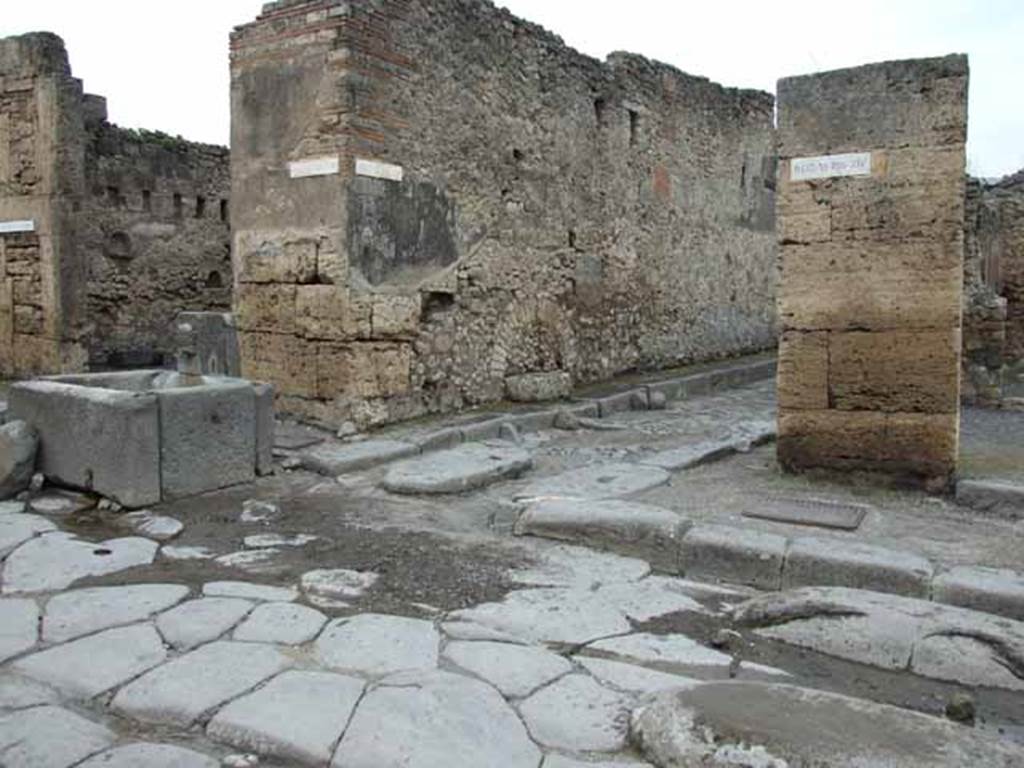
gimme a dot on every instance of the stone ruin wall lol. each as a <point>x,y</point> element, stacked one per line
<point>993,288</point>
<point>527,208</point>
<point>872,269</point>
<point>111,256</point>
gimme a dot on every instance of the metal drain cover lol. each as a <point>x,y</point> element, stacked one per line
<point>817,512</point>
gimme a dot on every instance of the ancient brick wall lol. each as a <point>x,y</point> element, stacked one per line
<point>871,263</point>
<point>993,286</point>
<point>444,196</point>
<point>110,243</point>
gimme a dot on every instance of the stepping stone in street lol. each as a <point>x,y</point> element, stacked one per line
<point>576,714</point>
<point>297,716</point>
<point>281,623</point>
<point>191,624</point>
<point>435,719</point>
<point>598,481</point>
<point>54,561</point>
<point>178,692</point>
<point>19,627</point>
<point>63,503</point>
<point>49,737</point>
<point>335,459</point>
<point>97,663</point>
<point>83,611</point>
<point>462,469</point>
<point>150,756</point>
<point>374,644</point>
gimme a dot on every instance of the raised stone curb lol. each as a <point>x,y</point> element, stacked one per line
<point>334,459</point>
<point>1004,499</point>
<point>814,562</point>
<point>739,555</point>
<point>458,470</point>
<point>992,590</point>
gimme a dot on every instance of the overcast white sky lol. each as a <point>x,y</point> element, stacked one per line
<point>164,65</point>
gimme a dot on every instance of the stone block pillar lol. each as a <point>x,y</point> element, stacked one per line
<point>870,218</point>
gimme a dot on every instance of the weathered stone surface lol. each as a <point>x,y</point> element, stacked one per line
<point>992,590</point>
<point>19,443</point>
<point>17,529</point>
<point>803,370</point>
<point>11,508</point>
<point>277,540</point>
<point>765,724</point>
<point>688,456</point>
<point>283,623</point>
<point>181,690</point>
<point>62,503</point>
<point>49,737</point>
<point>19,626</point>
<point>664,652</point>
<point>259,561</point>
<point>515,670</point>
<point>538,387</point>
<point>18,692</point>
<point>333,587</point>
<point>651,533</point>
<point>576,714</point>
<point>599,481</point>
<point>435,720</point>
<point>250,591</point>
<point>201,621</point>
<point>334,459</point>
<point>736,555</point>
<point>580,566</point>
<point>150,756</point>
<point>121,459</point>
<point>83,611</point>
<point>991,496</point>
<point>843,563</point>
<point>145,523</point>
<point>461,469</point>
<point>632,678</point>
<point>97,663</point>
<point>169,552</point>
<point>56,560</point>
<point>296,716</point>
<point>375,644</point>
<point>559,761</point>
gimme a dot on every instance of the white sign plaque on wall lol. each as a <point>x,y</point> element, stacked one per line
<point>314,166</point>
<point>378,170</point>
<point>829,166</point>
<point>9,227</point>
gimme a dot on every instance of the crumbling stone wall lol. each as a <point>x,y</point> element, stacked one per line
<point>431,197</point>
<point>100,238</point>
<point>870,226</point>
<point>993,287</point>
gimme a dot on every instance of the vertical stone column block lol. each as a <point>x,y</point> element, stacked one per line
<point>870,217</point>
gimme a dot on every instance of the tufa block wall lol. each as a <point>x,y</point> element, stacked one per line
<point>431,198</point>
<point>871,269</point>
<point>114,240</point>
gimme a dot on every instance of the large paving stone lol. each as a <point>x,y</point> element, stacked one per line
<point>54,561</point>
<point>98,663</point>
<point>296,716</point>
<point>648,532</point>
<point>565,566</point>
<point>756,724</point>
<point>647,599</point>
<point>11,507</point>
<point>576,714</point>
<point>150,756</point>
<point>282,623</point>
<point>341,458</point>
<point>435,720</point>
<point>49,737</point>
<point>82,611</point>
<point>466,468</point>
<point>992,590</point>
<point>599,481</point>
<point>20,692</point>
<point>554,615</point>
<point>181,690</point>
<point>19,627</point>
<point>893,632</point>
<point>737,555</point>
<point>201,621</point>
<point>667,652</point>
<point>17,529</point>
<point>632,678</point>
<point>515,670</point>
<point>249,591</point>
<point>844,563</point>
<point>376,644</point>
